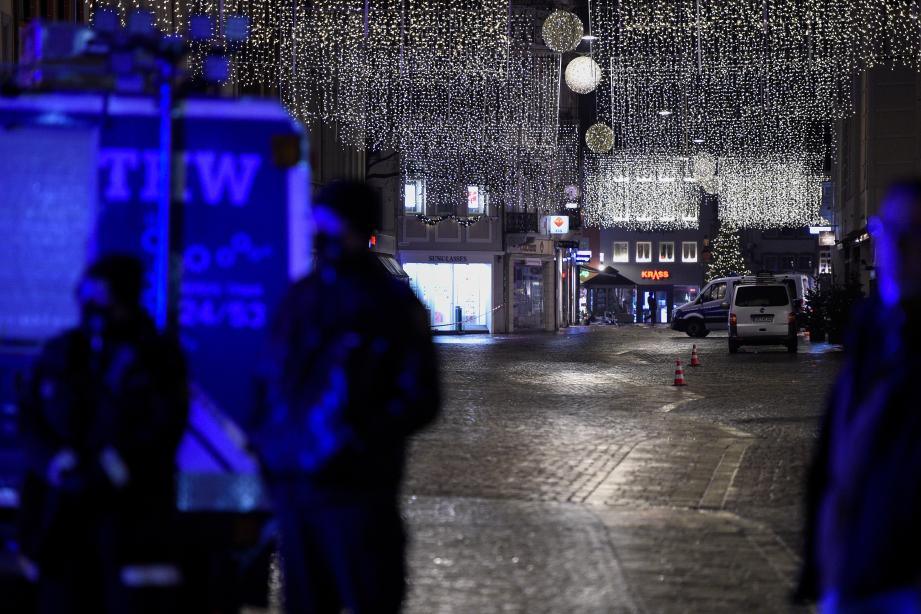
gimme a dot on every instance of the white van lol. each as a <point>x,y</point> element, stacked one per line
<point>762,314</point>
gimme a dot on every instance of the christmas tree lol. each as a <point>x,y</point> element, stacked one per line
<point>727,257</point>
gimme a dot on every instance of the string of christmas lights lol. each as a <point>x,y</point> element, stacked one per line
<point>465,93</point>
<point>781,192</point>
<point>641,192</point>
<point>753,84</point>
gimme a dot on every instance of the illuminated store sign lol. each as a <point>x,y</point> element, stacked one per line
<point>655,275</point>
<point>557,224</point>
<point>448,259</point>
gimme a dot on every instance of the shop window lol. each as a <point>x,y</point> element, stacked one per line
<point>788,262</point>
<point>414,196</point>
<point>666,251</point>
<point>528,305</point>
<point>806,262</point>
<point>643,251</point>
<point>443,288</point>
<point>685,294</point>
<point>621,252</point>
<point>769,262</point>
<point>477,200</point>
<point>689,251</point>
<point>825,262</point>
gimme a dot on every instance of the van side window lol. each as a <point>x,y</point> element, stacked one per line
<point>718,293</point>
<point>705,295</point>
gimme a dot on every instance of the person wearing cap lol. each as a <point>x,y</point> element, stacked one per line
<point>350,374</point>
<point>863,537</point>
<point>101,419</point>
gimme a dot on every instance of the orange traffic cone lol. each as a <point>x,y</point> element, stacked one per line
<point>695,361</point>
<point>679,374</point>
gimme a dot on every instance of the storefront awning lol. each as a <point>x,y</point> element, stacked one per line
<point>608,278</point>
<point>393,267</point>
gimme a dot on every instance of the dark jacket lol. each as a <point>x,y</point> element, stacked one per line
<point>131,395</point>
<point>864,496</point>
<point>350,374</point>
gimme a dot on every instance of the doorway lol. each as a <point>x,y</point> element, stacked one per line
<point>662,306</point>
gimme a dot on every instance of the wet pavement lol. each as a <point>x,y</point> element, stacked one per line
<point>567,474</point>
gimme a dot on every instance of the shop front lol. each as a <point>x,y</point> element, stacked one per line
<point>656,301</point>
<point>611,296</point>
<point>613,293</point>
<point>456,289</point>
<point>667,266</point>
<point>533,270</point>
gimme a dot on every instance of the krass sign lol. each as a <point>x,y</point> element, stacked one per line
<point>655,275</point>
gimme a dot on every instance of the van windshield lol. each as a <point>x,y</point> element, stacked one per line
<point>762,296</point>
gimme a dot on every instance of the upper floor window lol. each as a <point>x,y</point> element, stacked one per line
<point>769,262</point>
<point>414,196</point>
<point>477,200</point>
<point>689,251</point>
<point>620,252</point>
<point>644,251</point>
<point>666,251</point>
<point>806,262</point>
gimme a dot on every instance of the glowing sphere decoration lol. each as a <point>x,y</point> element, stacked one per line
<point>704,166</point>
<point>583,75</point>
<point>599,138</point>
<point>562,31</point>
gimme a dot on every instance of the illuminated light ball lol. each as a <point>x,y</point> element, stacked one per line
<point>705,173</point>
<point>599,138</point>
<point>583,75</point>
<point>562,31</point>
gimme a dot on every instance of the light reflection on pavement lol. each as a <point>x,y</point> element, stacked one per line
<point>567,474</point>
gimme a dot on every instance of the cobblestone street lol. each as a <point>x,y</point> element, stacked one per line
<point>567,474</point>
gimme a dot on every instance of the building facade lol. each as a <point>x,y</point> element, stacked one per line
<point>782,250</point>
<point>665,266</point>
<point>455,265</point>
<point>880,143</point>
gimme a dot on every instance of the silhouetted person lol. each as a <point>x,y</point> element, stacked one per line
<point>863,542</point>
<point>101,419</point>
<point>651,304</point>
<point>351,375</point>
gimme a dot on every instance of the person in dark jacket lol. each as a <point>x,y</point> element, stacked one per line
<point>863,538</point>
<point>101,419</point>
<point>651,304</point>
<point>351,374</point>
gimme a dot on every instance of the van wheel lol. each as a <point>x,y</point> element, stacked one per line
<point>696,329</point>
<point>733,347</point>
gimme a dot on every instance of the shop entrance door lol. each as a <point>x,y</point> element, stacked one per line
<point>662,307</point>
<point>529,296</point>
